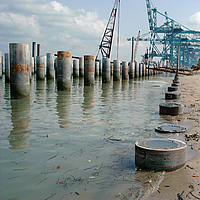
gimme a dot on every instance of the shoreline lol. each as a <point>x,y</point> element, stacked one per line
<point>184,183</point>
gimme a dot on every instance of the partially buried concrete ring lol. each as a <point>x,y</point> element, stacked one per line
<point>172,109</point>
<point>160,154</point>
<point>170,128</point>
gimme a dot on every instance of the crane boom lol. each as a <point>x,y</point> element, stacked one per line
<point>106,42</point>
<point>149,13</point>
<point>136,46</point>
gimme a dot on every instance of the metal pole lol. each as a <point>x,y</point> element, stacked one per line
<point>118,31</point>
<point>178,61</point>
<point>96,68</point>
<point>81,67</point>
<point>132,51</point>
<point>1,66</point>
<point>7,68</point>
<point>34,49</point>
<point>38,49</point>
<point>50,66</point>
<point>76,68</point>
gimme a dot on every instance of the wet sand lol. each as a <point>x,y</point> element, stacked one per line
<point>185,182</point>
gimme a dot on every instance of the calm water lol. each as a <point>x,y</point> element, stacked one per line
<point>78,144</point>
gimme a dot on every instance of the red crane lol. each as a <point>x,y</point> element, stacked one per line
<point>136,46</point>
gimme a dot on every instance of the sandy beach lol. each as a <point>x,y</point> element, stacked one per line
<point>185,182</point>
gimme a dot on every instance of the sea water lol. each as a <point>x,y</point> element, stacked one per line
<point>79,143</point>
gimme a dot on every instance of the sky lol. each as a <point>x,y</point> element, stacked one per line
<point>78,25</point>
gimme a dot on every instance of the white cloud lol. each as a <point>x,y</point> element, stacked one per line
<point>81,10</point>
<point>53,25</point>
<point>64,36</point>
<point>25,0</point>
<point>58,7</point>
<point>89,23</point>
<point>194,21</point>
<point>20,24</point>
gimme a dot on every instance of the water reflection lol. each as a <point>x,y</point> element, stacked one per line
<point>116,90</point>
<point>125,87</point>
<point>20,116</point>
<point>50,86</point>
<point>50,94</point>
<point>40,88</point>
<point>81,81</point>
<point>63,108</point>
<point>131,89</point>
<point>75,86</point>
<point>88,103</point>
<point>7,91</point>
<point>106,93</point>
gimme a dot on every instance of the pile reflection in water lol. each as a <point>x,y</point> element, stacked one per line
<point>19,136</point>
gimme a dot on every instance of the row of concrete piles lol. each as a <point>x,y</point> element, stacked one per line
<point>19,67</point>
<point>172,107</point>
<point>164,154</point>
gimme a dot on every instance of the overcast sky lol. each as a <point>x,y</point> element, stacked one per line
<point>78,25</point>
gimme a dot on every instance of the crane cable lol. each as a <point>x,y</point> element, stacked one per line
<point>118,30</point>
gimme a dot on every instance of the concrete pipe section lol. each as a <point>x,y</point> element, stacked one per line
<point>173,88</point>
<point>75,68</point>
<point>131,70</point>
<point>172,95</point>
<point>7,68</point>
<point>116,70</point>
<point>100,67</point>
<point>160,154</point>
<point>136,70</point>
<point>106,70</point>
<point>96,68</point>
<point>19,70</point>
<point>40,67</point>
<point>176,77</point>
<point>171,129</point>
<point>176,81</point>
<point>171,109</point>
<point>81,67</point>
<point>89,65</point>
<point>64,70</point>
<point>1,64</point>
<point>124,70</point>
<point>175,84</point>
<point>50,66</point>
<point>32,63</point>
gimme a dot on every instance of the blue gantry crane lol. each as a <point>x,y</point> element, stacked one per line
<point>171,35</point>
<point>166,39</point>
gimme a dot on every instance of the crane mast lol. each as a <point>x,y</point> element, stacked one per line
<point>106,42</point>
<point>136,46</point>
<point>149,13</point>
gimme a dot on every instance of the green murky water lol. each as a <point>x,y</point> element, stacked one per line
<point>77,144</point>
<point>161,144</point>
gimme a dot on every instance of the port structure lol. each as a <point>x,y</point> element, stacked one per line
<point>107,39</point>
<point>170,35</point>
<point>174,35</point>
